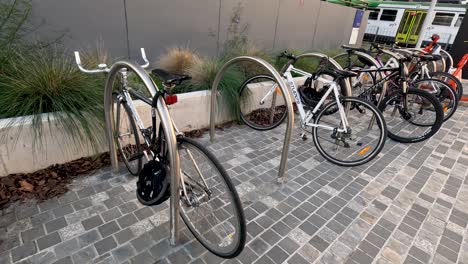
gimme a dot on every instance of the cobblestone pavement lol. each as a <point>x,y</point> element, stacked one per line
<point>409,205</point>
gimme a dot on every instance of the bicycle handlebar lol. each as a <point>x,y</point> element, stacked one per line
<point>287,55</point>
<point>103,67</point>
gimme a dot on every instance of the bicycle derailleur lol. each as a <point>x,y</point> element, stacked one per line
<point>342,136</point>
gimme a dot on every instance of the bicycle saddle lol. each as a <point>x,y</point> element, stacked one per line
<point>348,48</point>
<point>170,79</point>
<point>428,57</point>
<point>344,73</point>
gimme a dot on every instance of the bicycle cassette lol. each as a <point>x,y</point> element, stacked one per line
<point>153,184</point>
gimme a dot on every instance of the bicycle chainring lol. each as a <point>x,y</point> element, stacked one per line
<point>153,185</point>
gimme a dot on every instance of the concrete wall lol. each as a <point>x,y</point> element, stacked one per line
<point>23,157</point>
<point>157,24</point>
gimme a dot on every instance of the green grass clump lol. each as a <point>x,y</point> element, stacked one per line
<point>204,73</point>
<point>45,83</point>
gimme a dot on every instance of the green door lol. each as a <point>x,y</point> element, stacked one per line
<point>416,28</point>
<point>410,26</point>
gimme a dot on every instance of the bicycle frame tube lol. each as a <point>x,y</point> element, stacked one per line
<point>306,117</point>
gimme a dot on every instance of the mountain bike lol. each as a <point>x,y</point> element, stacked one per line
<point>347,131</point>
<point>210,205</point>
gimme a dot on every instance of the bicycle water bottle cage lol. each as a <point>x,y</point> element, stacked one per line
<point>153,185</point>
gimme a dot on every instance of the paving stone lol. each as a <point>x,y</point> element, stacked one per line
<point>55,224</point>
<point>63,210</point>
<point>92,222</point>
<point>23,251</point>
<point>277,254</point>
<point>48,240</point>
<point>143,258</point>
<point>124,252</point>
<point>108,229</point>
<point>105,245</point>
<point>65,260</point>
<point>32,234</point>
<point>85,255</point>
<point>179,257</point>
<point>67,248</point>
<point>88,238</point>
<point>319,243</point>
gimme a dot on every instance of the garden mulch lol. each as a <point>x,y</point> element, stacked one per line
<point>54,180</point>
<point>49,182</point>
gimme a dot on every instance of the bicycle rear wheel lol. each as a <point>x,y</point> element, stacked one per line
<point>210,205</point>
<point>449,79</point>
<point>365,136</point>
<point>126,137</point>
<point>443,92</point>
<point>412,117</point>
<point>262,103</point>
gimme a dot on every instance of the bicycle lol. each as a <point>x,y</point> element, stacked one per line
<point>210,205</point>
<point>412,115</point>
<point>347,131</point>
<point>416,62</point>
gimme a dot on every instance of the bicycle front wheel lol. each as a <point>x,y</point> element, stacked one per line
<point>412,117</point>
<point>126,136</point>
<point>262,103</point>
<point>363,139</point>
<point>210,205</point>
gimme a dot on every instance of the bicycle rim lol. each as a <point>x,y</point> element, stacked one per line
<point>215,219</point>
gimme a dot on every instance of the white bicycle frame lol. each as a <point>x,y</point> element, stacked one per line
<point>306,117</point>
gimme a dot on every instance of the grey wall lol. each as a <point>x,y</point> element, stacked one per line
<point>158,24</point>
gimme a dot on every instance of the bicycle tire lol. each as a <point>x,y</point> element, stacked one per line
<point>446,96</point>
<point>431,99</point>
<point>246,119</point>
<point>232,193</point>
<point>134,131</point>
<point>451,80</point>
<point>350,102</point>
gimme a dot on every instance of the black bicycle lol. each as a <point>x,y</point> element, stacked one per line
<point>209,203</point>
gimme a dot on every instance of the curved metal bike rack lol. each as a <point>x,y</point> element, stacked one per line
<point>320,56</point>
<point>290,120</point>
<point>168,130</point>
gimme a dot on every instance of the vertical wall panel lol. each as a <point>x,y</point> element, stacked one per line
<point>85,21</point>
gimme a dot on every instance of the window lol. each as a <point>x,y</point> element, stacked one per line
<point>459,20</point>
<point>374,15</point>
<point>443,19</point>
<point>388,15</point>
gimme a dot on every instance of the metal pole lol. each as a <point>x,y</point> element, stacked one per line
<point>166,122</point>
<point>284,89</point>
<point>428,20</point>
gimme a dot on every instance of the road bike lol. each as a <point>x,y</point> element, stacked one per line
<point>347,131</point>
<point>209,203</point>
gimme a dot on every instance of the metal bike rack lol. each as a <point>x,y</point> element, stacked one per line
<point>320,56</point>
<point>290,120</point>
<point>168,130</point>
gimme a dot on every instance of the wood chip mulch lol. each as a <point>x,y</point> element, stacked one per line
<point>54,180</point>
<point>49,182</point>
